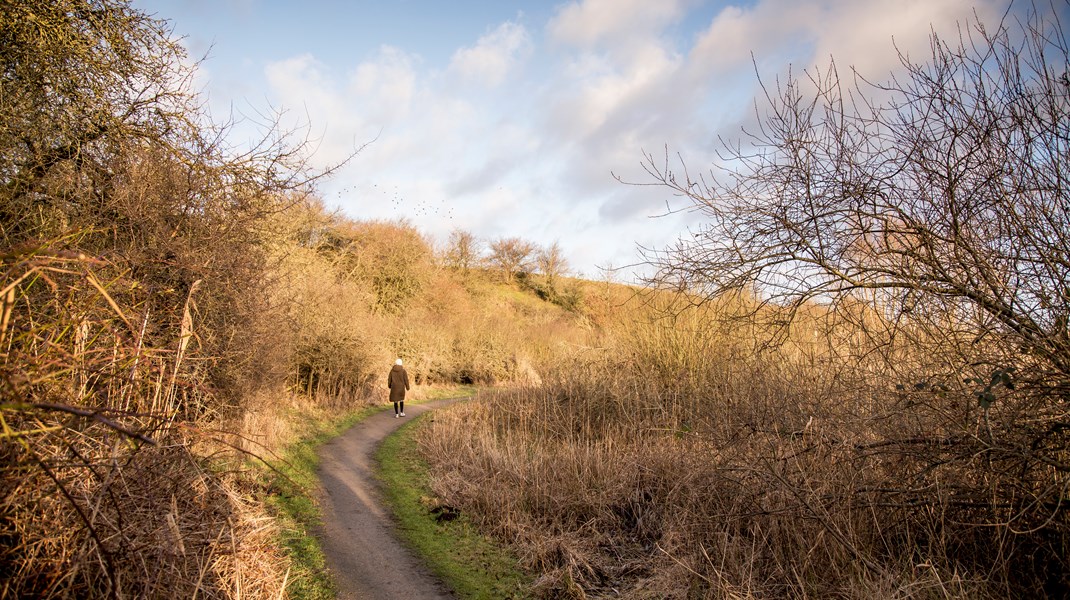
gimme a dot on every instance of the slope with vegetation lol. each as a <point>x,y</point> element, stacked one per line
<point>851,382</point>
<point>131,248</point>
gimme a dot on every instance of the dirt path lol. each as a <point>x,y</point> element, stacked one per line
<point>364,556</point>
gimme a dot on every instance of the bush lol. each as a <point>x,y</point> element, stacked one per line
<point>132,285</point>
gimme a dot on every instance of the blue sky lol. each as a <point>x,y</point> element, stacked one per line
<point>510,119</point>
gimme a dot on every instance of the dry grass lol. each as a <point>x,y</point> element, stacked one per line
<point>116,481</point>
<point>681,463</point>
<point>669,457</point>
<point>148,522</point>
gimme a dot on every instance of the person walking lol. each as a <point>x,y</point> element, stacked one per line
<point>398,382</point>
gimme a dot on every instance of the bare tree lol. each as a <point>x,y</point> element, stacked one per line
<point>942,195</point>
<point>552,264</point>
<point>940,199</point>
<point>462,251</point>
<point>511,255</point>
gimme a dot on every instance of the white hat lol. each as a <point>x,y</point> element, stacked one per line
<point>397,362</point>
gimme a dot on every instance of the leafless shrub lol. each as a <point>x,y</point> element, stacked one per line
<point>101,494</point>
<point>552,263</point>
<point>132,279</point>
<point>937,199</point>
<point>511,256</point>
<point>463,251</point>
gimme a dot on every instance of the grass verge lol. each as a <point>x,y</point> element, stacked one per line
<point>471,564</point>
<point>292,485</point>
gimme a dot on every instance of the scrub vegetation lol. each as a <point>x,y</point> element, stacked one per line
<point>850,381</point>
<point>173,311</point>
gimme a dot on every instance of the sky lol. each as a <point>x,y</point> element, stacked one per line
<point>520,118</point>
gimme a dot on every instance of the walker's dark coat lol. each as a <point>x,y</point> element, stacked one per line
<point>398,382</point>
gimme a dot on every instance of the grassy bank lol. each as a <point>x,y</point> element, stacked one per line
<point>472,565</point>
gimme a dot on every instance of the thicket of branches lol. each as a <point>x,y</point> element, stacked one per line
<point>132,274</point>
<point>935,208</point>
<point>940,198</point>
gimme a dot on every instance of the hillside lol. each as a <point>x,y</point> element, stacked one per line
<point>171,308</point>
<point>220,366</point>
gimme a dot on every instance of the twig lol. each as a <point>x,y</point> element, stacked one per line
<point>96,416</point>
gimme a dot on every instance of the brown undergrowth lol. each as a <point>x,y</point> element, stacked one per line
<point>173,306</point>
<point>103,519</point>
<point>113,482</point>
<point>683,463</point>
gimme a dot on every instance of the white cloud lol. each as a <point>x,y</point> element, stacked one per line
<point>493,56</point>
<point>381,90</point>
<point>384,88</point>
<point>856,33</point>
<point>736,33</point>
<point>590,22</point>
<point>301,80</point>
<point>584,106</point>
<point>861,33</point>
<point>344,111</point>
<point>535,159</point>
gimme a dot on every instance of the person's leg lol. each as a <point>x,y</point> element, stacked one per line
<point>395,409</point>
<point>402,408</point>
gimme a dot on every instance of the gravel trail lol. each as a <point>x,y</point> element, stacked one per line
<point>358,536</point>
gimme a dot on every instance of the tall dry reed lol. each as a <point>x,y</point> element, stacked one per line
<point>107,488</point>
<point>688,461</point>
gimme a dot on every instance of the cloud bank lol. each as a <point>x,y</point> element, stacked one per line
<point>522,131</point>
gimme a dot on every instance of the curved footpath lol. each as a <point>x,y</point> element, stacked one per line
<point>364,555</point>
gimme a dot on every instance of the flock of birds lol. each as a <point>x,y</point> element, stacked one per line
<point>375,193</point>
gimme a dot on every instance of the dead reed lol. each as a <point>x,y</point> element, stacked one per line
<point>111,484</point>
<point>684,463</point>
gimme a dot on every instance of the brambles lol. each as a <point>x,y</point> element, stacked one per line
<point>390,259</point>
<point>103,492</point>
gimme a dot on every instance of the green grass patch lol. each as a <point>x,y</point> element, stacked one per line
<point>471,564</point>
<point>452,391</point>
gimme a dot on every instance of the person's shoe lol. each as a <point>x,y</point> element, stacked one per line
<point>403,414</point>
<point>396,415</point>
